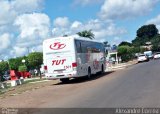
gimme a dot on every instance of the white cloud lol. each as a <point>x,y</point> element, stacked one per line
<point>86,2</point>
<point>37,48</point>
<point>61,31</point>
<point>109,32</point>
<point>93,24</point>
<point>61,22</point>
<point>7,14</point>
<point>29,6</point>
<point>124,9</point>
<point>5,42</point>
<point>101,29</point>
<point>19,51</point>
<point>10,9</point>
<point>76,24</point>
<point>116,40</point>
<point>19,28</point>
<point>33,28</point>
<point>155,21</point>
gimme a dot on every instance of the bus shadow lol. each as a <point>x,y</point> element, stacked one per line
<point>84,79</point>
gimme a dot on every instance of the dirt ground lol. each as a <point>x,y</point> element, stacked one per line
<point>26,87</point>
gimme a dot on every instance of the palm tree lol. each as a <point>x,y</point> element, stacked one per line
<point>105,43</point>
<point>87,34</point>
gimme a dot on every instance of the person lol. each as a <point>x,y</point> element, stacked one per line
<point>35,71</point>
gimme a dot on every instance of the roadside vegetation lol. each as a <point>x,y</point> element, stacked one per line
<point>3,67</point>
<point>145,34</point>
<point>32,61</point>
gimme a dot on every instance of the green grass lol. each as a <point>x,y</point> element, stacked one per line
<point>2,91</point>
<point>34,80</point>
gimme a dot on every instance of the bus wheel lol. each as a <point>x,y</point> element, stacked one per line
<point>89,73</point>
<point>102,69</point>
<point>64,80</point>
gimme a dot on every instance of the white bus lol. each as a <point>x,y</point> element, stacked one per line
<point>72,57</point>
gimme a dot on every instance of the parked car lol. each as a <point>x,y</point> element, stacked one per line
<point>149,54</point>
<point>6,76</point>
<point>142,58</point>
<point>156,55</point>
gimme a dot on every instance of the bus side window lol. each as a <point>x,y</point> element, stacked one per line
<point>89,50</point>
<point>84,46</point>
<point>78,46</point>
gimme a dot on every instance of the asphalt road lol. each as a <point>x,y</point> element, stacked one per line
<point>136,86</point>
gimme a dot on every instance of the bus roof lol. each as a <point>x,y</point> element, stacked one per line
<point>73,37</point>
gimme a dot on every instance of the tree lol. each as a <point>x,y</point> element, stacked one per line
<point>114,47</point>
<point>14,63</point>
<point>3,67</point>
<point>122,50</point>
<point>156,40</point>
<point>87,34</point>
<point>107,47</point>
<point>124,43</point>
<point>155,48</point>
<point>35,60</point>
<point>147,31</point>
<point>22,68</point>
<point>138,42</point>
<point>106,44</point>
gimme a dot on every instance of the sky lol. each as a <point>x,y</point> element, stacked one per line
<point>25,24</point>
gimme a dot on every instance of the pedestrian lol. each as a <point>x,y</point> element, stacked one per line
<point>35,71</point>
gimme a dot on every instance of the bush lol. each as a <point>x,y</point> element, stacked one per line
<point>155,48</point>
<point>127,53</point>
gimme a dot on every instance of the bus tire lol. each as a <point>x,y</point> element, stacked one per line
<point>64,80</point>
<point>89,73</point>
<point>102,69</point>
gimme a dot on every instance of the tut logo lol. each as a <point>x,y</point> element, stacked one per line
<point>57,46</point>
<point>58,62</point>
